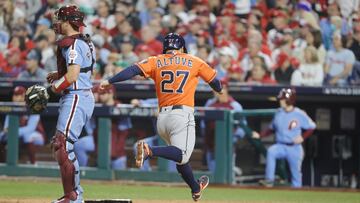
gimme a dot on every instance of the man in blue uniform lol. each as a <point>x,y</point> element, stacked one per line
<point>291,126</point>
<point>75,60</point>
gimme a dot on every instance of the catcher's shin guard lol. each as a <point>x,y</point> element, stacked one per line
<point>67,168</point>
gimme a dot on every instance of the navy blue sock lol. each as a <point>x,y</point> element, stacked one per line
<point>188,176</point>
<point>169,152</point>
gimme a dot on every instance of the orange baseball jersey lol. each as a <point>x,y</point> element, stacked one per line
<point>176,76</point>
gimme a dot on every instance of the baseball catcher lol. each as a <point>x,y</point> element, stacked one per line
<point>75,61</point>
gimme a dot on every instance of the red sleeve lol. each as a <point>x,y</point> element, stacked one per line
<point>266,132</point>
<point>307,133</point>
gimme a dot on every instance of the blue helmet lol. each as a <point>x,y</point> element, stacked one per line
<point>173,41</point>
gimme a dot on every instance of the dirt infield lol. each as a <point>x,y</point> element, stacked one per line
<point>6,200</point>
<point>134,201</point>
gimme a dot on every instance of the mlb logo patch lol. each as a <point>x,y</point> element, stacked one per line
<point>72,54</point>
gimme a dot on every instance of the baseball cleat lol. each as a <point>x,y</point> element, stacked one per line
<point>72,197</point>
<point>143,152</point>
<point>266,183</point>
<point>203,182</point>
<point>67,200</point>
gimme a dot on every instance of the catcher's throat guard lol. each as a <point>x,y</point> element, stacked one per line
<point>36,98</point>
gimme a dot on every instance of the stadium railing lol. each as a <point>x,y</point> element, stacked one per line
<point>223,151</point>
<point>103,171</point>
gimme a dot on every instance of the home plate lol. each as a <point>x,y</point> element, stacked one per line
<point>109,201</point>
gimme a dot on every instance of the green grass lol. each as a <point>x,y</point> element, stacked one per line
<point>95,190</point>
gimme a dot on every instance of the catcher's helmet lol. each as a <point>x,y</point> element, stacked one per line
<point>289,94</point>
<point>69,13</point>
<point>173,41</point>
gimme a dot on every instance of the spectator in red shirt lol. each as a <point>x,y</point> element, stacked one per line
<point>284,69</point>
<point>280,22</point>
<point>148,36</point>
<point>239,33</point>
<point>13,65</point>
<point>228,67</point>
<point>143,51</point>
<point>18,42</point>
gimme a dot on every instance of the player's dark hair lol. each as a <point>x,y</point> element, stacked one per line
<point>76,28</point>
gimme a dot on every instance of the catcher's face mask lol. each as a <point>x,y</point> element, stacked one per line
<point>57,23</point>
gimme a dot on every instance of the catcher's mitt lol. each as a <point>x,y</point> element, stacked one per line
<point>36,98</point>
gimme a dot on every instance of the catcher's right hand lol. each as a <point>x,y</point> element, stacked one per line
<point>36,98</point>
<point>52,76</point>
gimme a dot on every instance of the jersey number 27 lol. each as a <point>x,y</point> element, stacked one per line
<point>168,78</point>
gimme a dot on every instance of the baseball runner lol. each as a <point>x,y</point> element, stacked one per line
<point>175,74</point>
<point>291,126</point>
<point>75,61</point>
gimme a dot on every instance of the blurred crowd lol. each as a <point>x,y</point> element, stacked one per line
<point>259,42</point>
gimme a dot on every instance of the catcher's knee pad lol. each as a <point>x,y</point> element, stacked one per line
<point>67,168</point>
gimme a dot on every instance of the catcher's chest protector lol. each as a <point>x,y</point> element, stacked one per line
<point>61,61</point>
<point>65,43</point>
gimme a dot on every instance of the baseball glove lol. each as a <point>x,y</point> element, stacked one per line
<point>36,98</point>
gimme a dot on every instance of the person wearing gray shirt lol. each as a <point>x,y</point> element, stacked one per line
<point>339,63</point>
<point>33,71</point>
